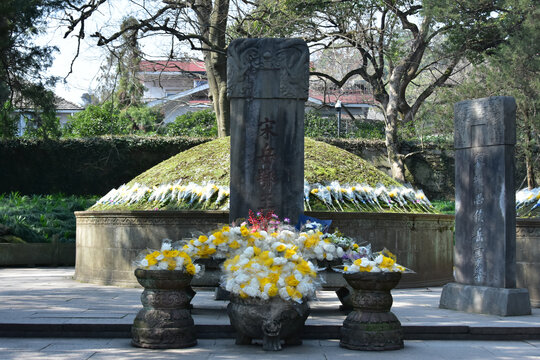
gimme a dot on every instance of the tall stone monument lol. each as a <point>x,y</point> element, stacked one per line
<point>267,84</point>
<point>485,233</point>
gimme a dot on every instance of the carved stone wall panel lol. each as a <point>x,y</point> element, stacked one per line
<point>485,122</point>
<point>268,68</point>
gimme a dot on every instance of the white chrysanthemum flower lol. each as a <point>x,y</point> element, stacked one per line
<point>329,257</point>
<point>242,261</point>
<point>242,278</point>
<point>376,269</point>
<point>144,262</point>
<point>179,262</point>
<point>281,282</point>
<point>280,261</point>
<point>379,259</point>
<point>304,288</point>
<point>162,265</point>
<point>160,257</point>
<point>166,245</point>
<point>339,252</point>
<point>283,294</point>
<point>248,252</point>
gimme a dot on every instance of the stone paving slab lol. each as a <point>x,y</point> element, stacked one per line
<point>121,349</point>
<point>44,296</point>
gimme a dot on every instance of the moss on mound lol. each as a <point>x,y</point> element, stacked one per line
<point>211,161</point>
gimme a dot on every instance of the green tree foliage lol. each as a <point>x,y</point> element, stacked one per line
<point>512,69</point>
<point>8,121</point>
<point>119,80</point>
<point>23,64</point>
<point>40,113</point>
<point>194,124</point>
<point>108,119</point>
<point>405,49</point>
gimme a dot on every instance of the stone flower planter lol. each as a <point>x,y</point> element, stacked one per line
<point>165,321</point>
<point>371,325</point>
<point>271,320</point>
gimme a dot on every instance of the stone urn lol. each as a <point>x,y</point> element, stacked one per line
<point>165,321</point>
<point>271,320</point>
<point>371,325</point>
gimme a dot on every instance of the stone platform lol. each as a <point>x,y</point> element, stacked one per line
<point>47,302</point>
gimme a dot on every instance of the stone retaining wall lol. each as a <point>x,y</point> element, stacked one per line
<point>528,257</point>
<point>108,242</point>
<point>53,254</point>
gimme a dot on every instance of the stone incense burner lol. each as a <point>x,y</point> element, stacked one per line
<point>271,320</point>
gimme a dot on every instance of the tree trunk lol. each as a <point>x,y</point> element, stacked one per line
<point>216,71</point>
<point>529,162</point>
<point>392,148</point>
<point>391,111</point>
<point>213,23</point>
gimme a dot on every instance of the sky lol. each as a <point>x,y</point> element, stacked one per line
<point>84,77</point>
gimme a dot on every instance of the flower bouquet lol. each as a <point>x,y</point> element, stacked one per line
<point>269,273</point>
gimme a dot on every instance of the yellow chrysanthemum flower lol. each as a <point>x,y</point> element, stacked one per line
<point>244,231</point>
<point>273,277</point>
<point>291,280</point>
<point>273,291</point>
<point>289,253</point>
<point>280,247</point>
<point>190,268</point>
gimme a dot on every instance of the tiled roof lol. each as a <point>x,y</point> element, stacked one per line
<point>172,66</point>
<point>346,97</point>
<point>63,104</point>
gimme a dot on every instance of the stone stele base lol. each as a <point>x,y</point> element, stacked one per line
<point>485,300</point>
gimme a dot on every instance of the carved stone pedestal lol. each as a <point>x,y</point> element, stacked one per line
<point>270,320</point>
<point>371,325</point>
<point>165,321</point>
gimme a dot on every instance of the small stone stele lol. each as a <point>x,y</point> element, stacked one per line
<point>485,235</point>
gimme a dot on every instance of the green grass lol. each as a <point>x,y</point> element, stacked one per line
<point>40,218</point>
<point>211,161</point>
<point>444,207</point>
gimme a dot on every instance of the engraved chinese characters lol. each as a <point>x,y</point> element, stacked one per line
<point>485,235</point>
<point>485,200</point>
<point>267,85</point>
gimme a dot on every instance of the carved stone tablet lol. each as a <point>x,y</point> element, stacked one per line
<point>267,84</point>
<point>485,235</point>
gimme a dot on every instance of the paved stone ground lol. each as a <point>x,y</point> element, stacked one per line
<point>48,297</point>
<point>51,296</point>
<point>120,349</point>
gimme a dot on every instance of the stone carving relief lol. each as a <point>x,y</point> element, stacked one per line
<point>481,122</point>
<point>247,58</point>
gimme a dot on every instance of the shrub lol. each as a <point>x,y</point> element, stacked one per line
<point>194,124</point>
<point>41,218</point>
<point>317,126</point>
<point>108,119</point>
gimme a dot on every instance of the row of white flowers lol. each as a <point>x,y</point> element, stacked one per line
<point>528,202</point>
<point>333,196</point>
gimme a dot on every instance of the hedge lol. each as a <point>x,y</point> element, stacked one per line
<point>82,166</point>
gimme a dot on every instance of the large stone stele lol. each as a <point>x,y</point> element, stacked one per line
<point>485,237</point>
